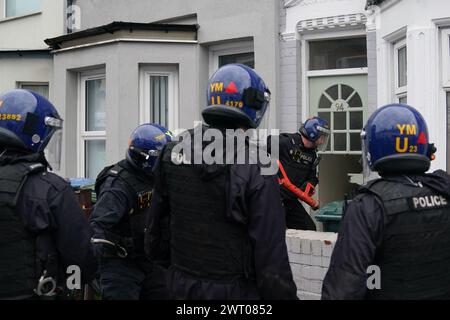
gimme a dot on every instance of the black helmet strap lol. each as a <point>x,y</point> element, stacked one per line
<point>143,153</point>
<point>431,150</point>
<point>139,153</point>
<point>31,124</point>
<point>254,98</point>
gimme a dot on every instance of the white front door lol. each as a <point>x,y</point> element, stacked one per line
<point>342,101</point>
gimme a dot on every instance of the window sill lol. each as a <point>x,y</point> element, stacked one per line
<point>337,72</point>
<point>21,16</point>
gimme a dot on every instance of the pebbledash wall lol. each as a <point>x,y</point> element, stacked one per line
<point>309,256</point>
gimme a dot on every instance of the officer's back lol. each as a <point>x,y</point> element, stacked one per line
<point>124,191</point>
<point>399,223</point>
<point>42,228</point>
<point>227,228</point>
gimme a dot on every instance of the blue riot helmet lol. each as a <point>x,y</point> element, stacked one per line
<point>237,97</point>
<point>317,131</point>
<point>145,145</point>
<point>395,140</point>
<point>28,121</point>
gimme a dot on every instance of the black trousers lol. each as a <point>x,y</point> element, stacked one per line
<point>297,217</point>
<point>126,279</point>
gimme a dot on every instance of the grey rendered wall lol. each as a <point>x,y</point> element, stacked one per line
<point>26,68</point>
<point>29,32</point>
<point>218,20</point>
<point>121,62</point>
<point>203,76</point>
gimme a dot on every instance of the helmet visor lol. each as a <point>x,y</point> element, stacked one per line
<point>368,174</point>
<point>53,150</point>
<point>264,124</point>
<point>264,112</point>
<point>365,155</point>
<point>321,143</point>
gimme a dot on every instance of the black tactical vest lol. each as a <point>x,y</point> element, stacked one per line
<point>414,258</point>
<point>18,272</point>
<point>298,162</point>
<point>129,232</point>
<point>204,242</point>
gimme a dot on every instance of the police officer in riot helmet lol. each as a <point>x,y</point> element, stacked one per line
<point>399,223</point>
<point>42,228</point>
<point>227,227</point>
<point>124,191</point>
<point>298,165</point>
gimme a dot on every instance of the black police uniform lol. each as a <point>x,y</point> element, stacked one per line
<point>300,164</point>
<point>227,230</point>
<point>402,225</point>
<point>124,194</point>
<point>42,227</point>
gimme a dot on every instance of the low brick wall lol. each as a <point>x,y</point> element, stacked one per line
<point>309,256</point>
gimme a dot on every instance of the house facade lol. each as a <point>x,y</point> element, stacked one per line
<point>25,60</point>
<point>110,66</point>
<point>413,55</point>
<point>150,62</point>
<point>326,60</point>
<point>341,59</point>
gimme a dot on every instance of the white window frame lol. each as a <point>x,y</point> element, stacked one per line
<point>225,49</point>
<point>306,74</point>
<point>84,135</point>
<point>20,15</point>
<point>348,131</point>
<point>330,72</point>
<point>169,71</point>
<point>399,97</point>
<point>445,54</point>
<point>399,92</point>
<point>446,58</point>
<point>20,84</point>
